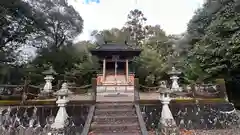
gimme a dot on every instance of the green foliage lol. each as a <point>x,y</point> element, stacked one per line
<point>218,29</point>
<point>47,25</point>
<point>62,23</point>
<point>87,67</point>
<point>151,66</point>
<point>17,23</point>
<point>114,34</point>
<point>193,73</point>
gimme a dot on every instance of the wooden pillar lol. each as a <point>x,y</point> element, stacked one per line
<point>127,70</point>
<point>104,69</point>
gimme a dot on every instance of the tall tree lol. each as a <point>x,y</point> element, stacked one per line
<point>17,24</point>
<point>136,26</point>
<point>153,61</point>
<point>218,49</point>
<point>62,22</point>
<point>114,34</point>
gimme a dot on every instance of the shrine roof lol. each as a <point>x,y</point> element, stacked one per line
<point>115,47</point>
<point>112,48</point>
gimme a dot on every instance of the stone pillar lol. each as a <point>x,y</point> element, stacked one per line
<point>62,116</point>
<point>127,74</point>
<point>104,69</point>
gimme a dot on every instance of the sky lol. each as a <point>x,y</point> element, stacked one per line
<point>171,15</point>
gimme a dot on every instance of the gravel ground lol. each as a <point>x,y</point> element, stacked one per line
<point>218,132</point>
<point>207,132</point>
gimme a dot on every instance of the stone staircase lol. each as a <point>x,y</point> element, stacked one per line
<point>115,119</point>
<point>112,80</point>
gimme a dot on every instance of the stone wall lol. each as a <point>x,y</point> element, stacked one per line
<point>38,120</point>
<point>194,116</point>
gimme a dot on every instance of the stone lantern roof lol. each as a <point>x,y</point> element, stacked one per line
<point>174,71</point>
<point>50,71</point>
<point>64,91</point>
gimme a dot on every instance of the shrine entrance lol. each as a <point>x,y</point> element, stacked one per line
<point>120,68</point>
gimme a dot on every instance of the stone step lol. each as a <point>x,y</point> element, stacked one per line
<point>113,112</point>
<point>129,92</point>
<point>137,132</point>
<point>101,98</point>
<point>107,105</point>
<point>115,91</point>
<point>115,95</point>
<point>115,128</point>
<point>115,120</point>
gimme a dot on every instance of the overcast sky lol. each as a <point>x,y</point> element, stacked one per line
<point>171,15</point>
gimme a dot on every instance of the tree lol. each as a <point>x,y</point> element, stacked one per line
<point>152,64</point>
<point>114,34</point>
<point>135,26</point>
<point>17,24</point>
<point>218,49</point>
<point>48,25</point>
<point>202,19</point>
<point>62,22</point>
<point>88,65</point>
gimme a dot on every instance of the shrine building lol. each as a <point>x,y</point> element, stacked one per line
<point>115,59</point>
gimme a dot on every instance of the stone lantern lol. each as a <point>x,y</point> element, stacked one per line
<point>174,77</point>
<point>47,89</point>
<point>62,116</point>
<point>167,122</point>
<point>165,100</point>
